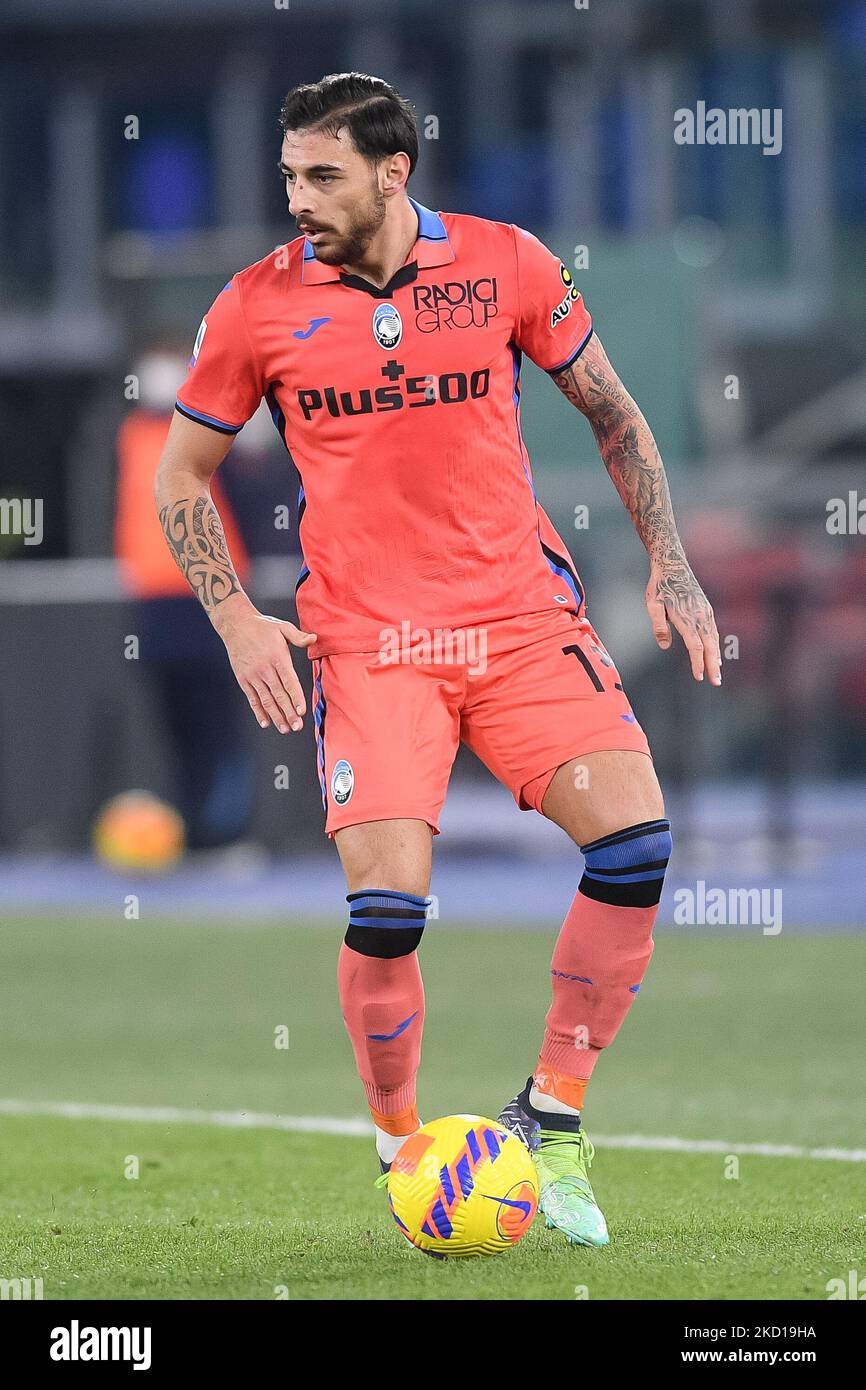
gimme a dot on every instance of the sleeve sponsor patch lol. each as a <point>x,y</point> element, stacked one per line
<point>199,339</point>
<point>565,305</point>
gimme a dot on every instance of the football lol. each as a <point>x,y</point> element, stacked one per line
<point>463,1186</point>
<point>137,831</point>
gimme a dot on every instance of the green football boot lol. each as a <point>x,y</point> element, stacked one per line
<point>563,1155</point>
<point>566,1196</point>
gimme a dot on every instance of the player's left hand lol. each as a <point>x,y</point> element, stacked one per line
<point>674,597</point>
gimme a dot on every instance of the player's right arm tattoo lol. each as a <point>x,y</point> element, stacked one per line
<point>627,447</point>
<point>196,539</point>
<point>632,459</point>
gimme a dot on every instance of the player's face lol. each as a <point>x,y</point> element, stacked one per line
<point>334,193</point>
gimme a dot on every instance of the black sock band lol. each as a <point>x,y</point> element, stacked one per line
<point>627,869</point>
<point>385,923</point>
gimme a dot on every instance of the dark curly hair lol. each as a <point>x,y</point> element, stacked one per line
<point>379,120</point>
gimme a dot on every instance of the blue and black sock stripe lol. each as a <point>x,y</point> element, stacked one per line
<point>385,923</point>
<point>621,837</point>
<point>627,869</point>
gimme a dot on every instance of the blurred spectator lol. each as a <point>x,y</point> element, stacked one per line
<point>180,657</point>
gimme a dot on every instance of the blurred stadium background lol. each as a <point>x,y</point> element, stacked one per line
<point>138,149</point>
<point>138,144</point>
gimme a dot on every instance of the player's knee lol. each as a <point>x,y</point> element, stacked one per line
<point>627,868</point>
<point>385,923</point>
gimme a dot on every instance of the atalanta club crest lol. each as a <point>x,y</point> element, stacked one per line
<point>342,782</point>
<point>387,326</point>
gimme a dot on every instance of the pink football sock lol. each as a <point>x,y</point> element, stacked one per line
<point>383,1010</point>
<point>601,955</point>
<point>599,961</point>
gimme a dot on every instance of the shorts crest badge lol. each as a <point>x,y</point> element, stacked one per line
<point>342,782</point>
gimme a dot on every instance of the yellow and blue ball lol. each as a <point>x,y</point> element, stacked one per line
<point>463,1186</point>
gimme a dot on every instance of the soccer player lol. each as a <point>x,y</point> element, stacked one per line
<point>436,601</point>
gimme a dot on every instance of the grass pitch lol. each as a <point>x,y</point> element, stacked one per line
<point>734,1037</point>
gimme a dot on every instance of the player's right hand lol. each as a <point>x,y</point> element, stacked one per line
<point>258,649</point>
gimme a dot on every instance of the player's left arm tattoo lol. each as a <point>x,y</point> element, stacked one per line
<point>632,460</point>
<point>196,539</point>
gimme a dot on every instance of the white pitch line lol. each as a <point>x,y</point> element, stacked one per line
<point>172,1114</point>
<point>323,1124</point>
